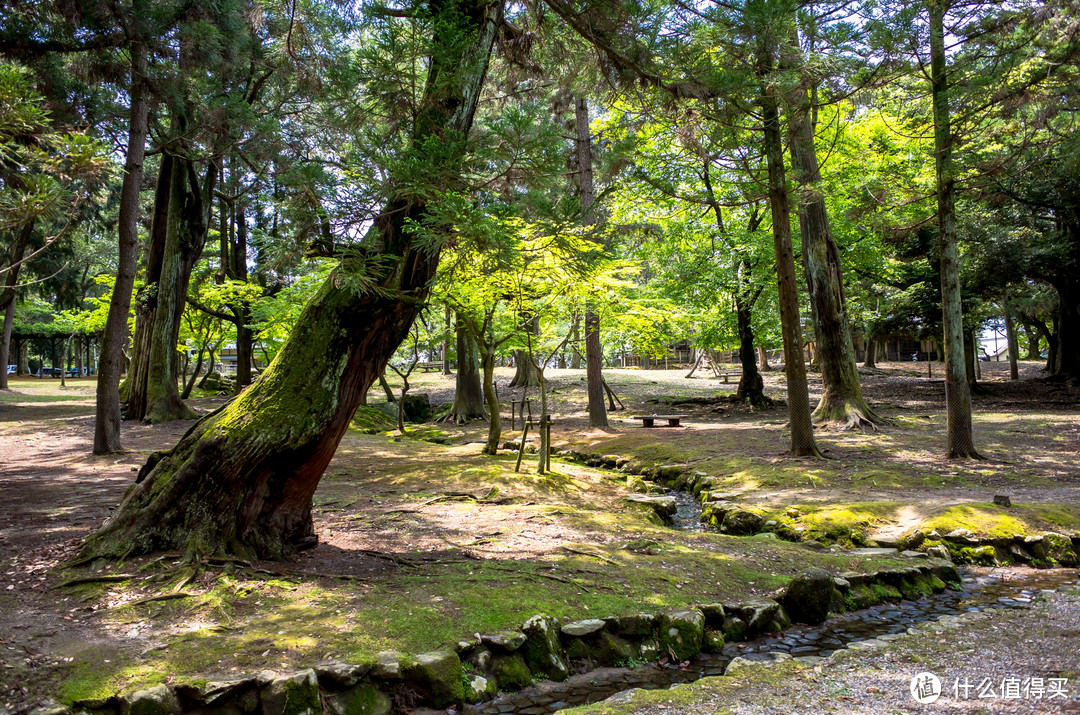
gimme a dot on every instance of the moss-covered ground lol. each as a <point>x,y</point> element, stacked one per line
<point>424,541</point>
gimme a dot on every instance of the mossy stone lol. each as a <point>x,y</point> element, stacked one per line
<point>362,699</point>
<point>437,676</point>
<point>478,688</point>
<point>740,522</point>
<point>510,672</point>
<point>713,641</point>
<point>158,700</point>
<point>859,597</point>
<point>808,596</point>
<point>369,420</point>
<point>884,592</point>
<point>734,629</point>
<point>296,694</point>
<point>982,555</point>
<point>542,650</point>
<point>1059,548</point>
<point>681,633</point>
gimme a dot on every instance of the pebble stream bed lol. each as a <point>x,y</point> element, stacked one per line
<point>1000,588</point>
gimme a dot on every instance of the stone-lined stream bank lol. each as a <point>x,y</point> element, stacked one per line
<point>868,628</point>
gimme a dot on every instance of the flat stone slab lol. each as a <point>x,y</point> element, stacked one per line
<point>579,629</point>
<point>914,554</point>
<point>872,552</point>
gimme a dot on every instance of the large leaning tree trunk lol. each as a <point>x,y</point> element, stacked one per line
<point>799,418</point>
<point>960,437</point>
<point>242,478</point>
<point>111,360</point>
<point>842,403</point>
<point>594,351</point>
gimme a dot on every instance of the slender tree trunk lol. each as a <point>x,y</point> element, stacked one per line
<point>960,436</point>
<point>241,479</point>
<point>10,280</point>
<point>468,394</point>
<point>446,342</point>
<point>111,360</point>
<point>763,358</point>
<point>1011,340</point>
<point>492,400</point>
<point>24,356</point>
<point>842,402</point>
<point>575,341</point>
<point>210,365</point>
<point>5,344</point>
<point>194,374</point>
<point>800,423</point>
<point>1032,335</point>
<point>594,356</point>
<point>871,354</point>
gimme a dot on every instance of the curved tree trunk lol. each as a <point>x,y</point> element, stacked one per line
<point>842,403</point>
<point>468,392</point>
<point>751,385</point>
<point>111,360</point>
<point>492,399</point>
<point>800,422</point>
<point>960,436</point>
<point>242,478</point>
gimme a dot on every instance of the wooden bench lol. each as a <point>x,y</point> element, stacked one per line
<point>650,420</point>
<point>429,366</point>
<point>725,375</point>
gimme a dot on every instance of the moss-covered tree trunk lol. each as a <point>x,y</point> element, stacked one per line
<point>842,403</point>
<point>178,234</point>
<point>242,478</point>
<point>960,441</point>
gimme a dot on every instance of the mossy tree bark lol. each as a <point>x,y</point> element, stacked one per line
<point>799,418</point>
<point>178,234</point>
<point>960,442</point>
<point>842,404</point>
<point>242,478</point>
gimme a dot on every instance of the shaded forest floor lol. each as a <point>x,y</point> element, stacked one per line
<point>424,541</point>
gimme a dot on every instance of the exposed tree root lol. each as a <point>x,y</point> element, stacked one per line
<point>97,578</point>
<point>847,415</point>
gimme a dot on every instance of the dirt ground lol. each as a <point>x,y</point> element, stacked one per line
<point>390,506</point>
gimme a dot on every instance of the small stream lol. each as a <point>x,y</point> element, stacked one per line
<point>982,589</point>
